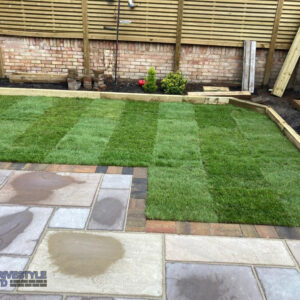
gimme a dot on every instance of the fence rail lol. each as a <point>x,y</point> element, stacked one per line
<point>207,22</point>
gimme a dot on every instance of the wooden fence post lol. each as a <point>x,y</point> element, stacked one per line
<point>86,44</point>
<point>273,42</point>
<point>178,36</point>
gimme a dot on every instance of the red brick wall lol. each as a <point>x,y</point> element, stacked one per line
<point>204,64</point>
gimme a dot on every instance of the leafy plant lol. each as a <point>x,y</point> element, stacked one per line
<point>174,83</point>
<point>150,86</point>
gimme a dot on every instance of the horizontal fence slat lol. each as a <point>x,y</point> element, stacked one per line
<point>205,22</point>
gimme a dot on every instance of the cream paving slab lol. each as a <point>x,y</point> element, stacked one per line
<point>295,249</point>
<point>21,227</point>
<point>227,250</point>
<point>109,211</point>
<point>100,263</point>
<point>113,181</point>
<point>8,264</point>
<point>42,188</point>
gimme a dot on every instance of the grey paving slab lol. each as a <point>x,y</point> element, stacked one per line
<point>295,249</point>
<point>109,211</point>
<point>87,298</point>
<point>42,188</point>
<point>279,283</point>
<point>210,282</point>
<point>74,218</point>
<point>8,264</point>
<point>4,174</point>
<point>21,227</point>
<point>227,250</point>
<point>113,181</point>
<point>100,263</point>
<point>29,297</point>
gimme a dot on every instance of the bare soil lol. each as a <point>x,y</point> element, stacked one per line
<point>283,106</point>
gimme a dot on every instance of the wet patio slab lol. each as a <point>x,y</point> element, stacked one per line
<point>42,188</point>
<point>100,263</point>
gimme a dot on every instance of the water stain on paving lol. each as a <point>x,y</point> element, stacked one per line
<point>107,211</point>
<point>204,288</point>
<point>13,225</point>
<point>38,186</point>
<point>83,254</point>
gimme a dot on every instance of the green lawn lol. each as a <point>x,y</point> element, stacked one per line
<point>206,163</point>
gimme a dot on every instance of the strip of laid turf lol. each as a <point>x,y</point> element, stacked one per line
<point>132,142</point>
<point>18,115</point>
<point>239,189</point>
<point>177,183</point>
<point>45,133</point>
<point>87,140</point>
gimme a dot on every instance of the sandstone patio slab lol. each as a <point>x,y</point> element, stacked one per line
<point>21,227</point>
<point>227,250</point>
<point>74,218</point>
<point>109,211</point>
<point>8,264</point>
<point>42,188</point>
<point>207,282</point>
<point>295,249</point>
<point>100,263</point>
<point>113,181</point>
<point>279,283</point>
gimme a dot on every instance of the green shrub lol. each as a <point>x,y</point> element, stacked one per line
<point>150,86</point>
<point>174,84</point>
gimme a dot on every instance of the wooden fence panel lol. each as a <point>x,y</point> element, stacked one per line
<point>207,22</point>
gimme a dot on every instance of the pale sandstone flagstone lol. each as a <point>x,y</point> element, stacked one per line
<point>194,281</point>
<point>295,249</point>
<point>21,227</point>
<point>112,181</point>
<point>280,283</point>
<point>66,189</point>
<point>136,268</point>
<point>74,218</point>
<point>8,264</point>
<point>109,211</point>
<point>227,250</point>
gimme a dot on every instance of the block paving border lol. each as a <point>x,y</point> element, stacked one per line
<point>136,219</point>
